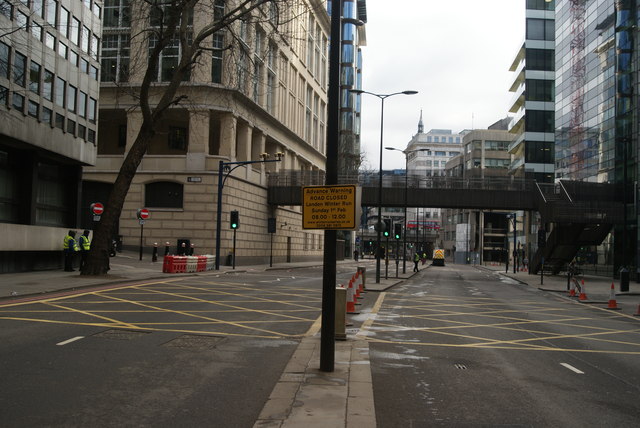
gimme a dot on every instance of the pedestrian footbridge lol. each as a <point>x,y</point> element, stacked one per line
<point>582,213</point>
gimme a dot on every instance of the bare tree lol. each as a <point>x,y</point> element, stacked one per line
<point>171,28</point>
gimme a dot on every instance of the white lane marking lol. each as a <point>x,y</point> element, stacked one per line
<point>73,339</point>
<point>570,367</point>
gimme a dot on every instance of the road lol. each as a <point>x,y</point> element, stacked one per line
<point>460,346</point>
<point>195,351</point>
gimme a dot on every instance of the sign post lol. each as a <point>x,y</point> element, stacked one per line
<point>97,209</point>
<point>142,215</point>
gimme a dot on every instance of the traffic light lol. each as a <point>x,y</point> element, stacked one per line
<point>235,219</point>
<point>397,231</point>
<point>387,227</point>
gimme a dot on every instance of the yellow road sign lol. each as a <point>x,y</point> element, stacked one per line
<point>330,207</point>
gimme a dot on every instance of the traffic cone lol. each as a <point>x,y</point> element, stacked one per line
<point>612,299</point>
<point>583,293</point>
<point>572,291</point>
<point>361,282</point>
<point>351,301</point>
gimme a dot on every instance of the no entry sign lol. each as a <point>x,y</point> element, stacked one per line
<point>97,208</point>
<point>143,214</point>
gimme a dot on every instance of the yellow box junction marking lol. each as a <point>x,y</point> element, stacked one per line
<point>330,207</point>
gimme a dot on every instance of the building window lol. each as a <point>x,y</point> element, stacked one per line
<point>163,194</point>
<point>4,95</point>
<point>63,22</point>
<point>4,60</point>
<point>115,58</point>
<point>47,114</point>
<point>59,92</point>
<point>18,102</point>
<point>34,77</point>
<point>91,110</point>
<point>71,127</point>
<point>52,11</point>
<point>177,138</point>
<point>75,32</point>
<point>33,109</point>
<point>53,195</point>
<point>539,121</point>
<point>82,104</point>
<point>540,90</point>
<point>47,86</point>
<point>59,121</point>
<point>117,14</point>
<point>216,68</point>
<point>19,69</point>
<point>36,30</point>
<point>6,9</point>
<point>540,29</point>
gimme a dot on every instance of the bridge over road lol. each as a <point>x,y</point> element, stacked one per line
<point>579,213</point>
<point>435,192</point>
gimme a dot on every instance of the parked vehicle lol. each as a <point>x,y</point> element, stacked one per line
<point>438,257</point>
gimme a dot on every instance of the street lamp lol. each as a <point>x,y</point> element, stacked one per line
<point>378,223</point>
<point>406,182</point>
<point>512,217</point>
<point>224,170</point>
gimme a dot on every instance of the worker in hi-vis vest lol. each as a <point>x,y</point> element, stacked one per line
<point>69,247</point>
<point>85,245</point>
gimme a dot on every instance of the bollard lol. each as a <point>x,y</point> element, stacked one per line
<point>154,255</point>
<point>166,248</point>
<point>341,314</point>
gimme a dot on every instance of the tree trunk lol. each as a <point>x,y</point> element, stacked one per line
<point>98,257</point>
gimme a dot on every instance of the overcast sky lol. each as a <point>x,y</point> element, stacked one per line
<point>456,53</point>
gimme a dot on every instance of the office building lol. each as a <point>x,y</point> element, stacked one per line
<point>533,100</point>
<point>49,94</point>
<point>479,236</point>
<point>596,116</point>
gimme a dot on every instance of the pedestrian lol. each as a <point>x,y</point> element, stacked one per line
<point>85,244</point>
<point>416,259</point>
<point>69,247</point>
<point>355,255</point>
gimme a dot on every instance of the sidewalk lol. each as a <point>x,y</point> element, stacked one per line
<point>597,288</point>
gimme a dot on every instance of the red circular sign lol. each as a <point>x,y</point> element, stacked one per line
<point>143,214</point>
<point>97,208</point>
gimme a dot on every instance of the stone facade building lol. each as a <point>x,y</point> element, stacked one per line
<point>261,90</point>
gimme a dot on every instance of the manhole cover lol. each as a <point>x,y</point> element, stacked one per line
<point>121,334</point>
<point>192,341</point>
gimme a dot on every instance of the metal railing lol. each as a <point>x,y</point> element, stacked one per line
<point>317,178</point>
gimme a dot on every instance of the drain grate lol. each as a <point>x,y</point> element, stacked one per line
<point>194,341</point>
<point>460,366</point>
<point>121,334</point>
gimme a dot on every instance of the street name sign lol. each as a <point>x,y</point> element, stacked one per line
<point>330,207</point>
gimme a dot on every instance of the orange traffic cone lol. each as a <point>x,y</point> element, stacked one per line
<point>360,283</point>
<point>583,293</point>
<point>572,291</point>
<point>612,299</point>
<point>351,300</point>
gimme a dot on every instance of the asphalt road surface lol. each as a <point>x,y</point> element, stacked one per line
<point>194,351</point>
<point>459,346</point>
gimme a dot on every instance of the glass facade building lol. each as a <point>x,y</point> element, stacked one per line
<point>596,110</point>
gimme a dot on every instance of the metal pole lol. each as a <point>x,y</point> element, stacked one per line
<point>328,323</point>
<point>404,232</point>
<point>379,232</point>
<point>219,214</point>
<point>141,228</point>
<point>514,243</point>
<point>271,253</point>
<point>233,256</point>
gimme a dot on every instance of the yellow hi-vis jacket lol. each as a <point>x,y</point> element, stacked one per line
<point>69,244</point>
<point>85,243</point>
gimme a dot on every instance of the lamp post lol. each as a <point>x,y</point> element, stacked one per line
<point>406,186</point>
<point>224,170</point>
<point>379,223</point>
<point>512,217</point>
